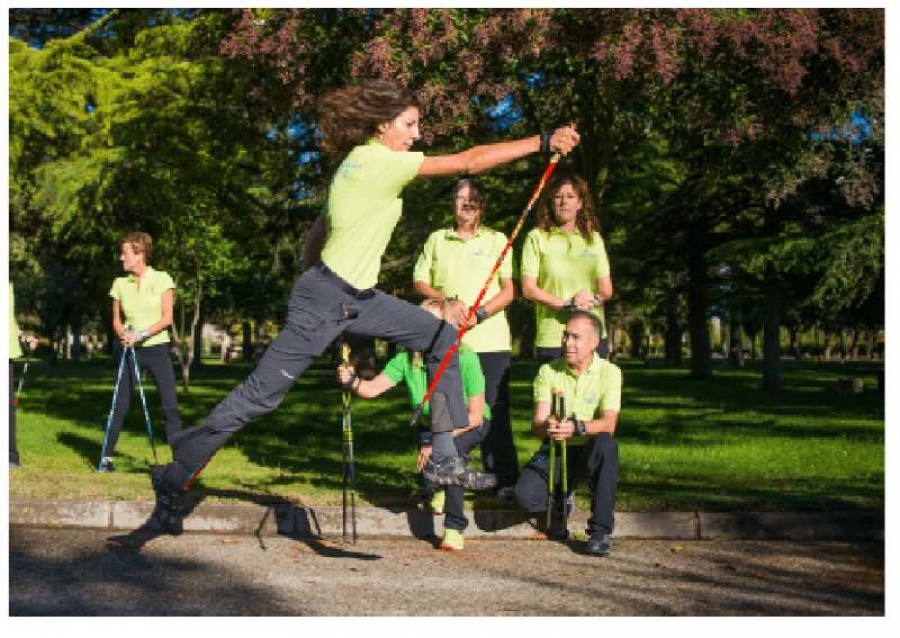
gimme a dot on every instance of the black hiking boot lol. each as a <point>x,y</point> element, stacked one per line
<point>167,516</point>
<point>477,481</point>
<point>599,544</point>
<point>452,470</point>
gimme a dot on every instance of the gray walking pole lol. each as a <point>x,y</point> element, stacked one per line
<point>112,409</point>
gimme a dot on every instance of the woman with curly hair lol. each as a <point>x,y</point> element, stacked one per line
<point>370,127</point>
<point>564,264</point>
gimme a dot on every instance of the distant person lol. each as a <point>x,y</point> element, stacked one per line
<point>453,265</point>
<point>145,297</point>
<point>593,390</point>
<point>408,367</point>
<point>16,337</point>
<point>370,128</point>
<point>564,264</point>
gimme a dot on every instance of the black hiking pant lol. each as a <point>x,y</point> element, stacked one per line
<point>321,307</point>
<point>595,463</point>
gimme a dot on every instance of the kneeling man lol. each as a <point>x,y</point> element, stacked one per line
<point>593,389</point>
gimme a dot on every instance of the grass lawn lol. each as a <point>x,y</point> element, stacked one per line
<point>717,445</point>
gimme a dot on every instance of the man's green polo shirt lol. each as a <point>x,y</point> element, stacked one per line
<point>15,349</point>
<point>459,267</point>
<point>400,368</point>
<point>142,306</point>
<point>597,389</point>
<point>364,206</point>
<point>563,264</point>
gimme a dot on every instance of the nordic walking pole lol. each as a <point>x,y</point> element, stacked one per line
<point>112,409</point>
<point>551,476</point>
<point>15,400</point>
<point>465,326</point>
<point>21,380</point>
<point>565,467</point>
<point>349,464</point>
<point>137,374</point>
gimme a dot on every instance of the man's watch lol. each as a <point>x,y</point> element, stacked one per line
<point>143,335</point>
<point>480,313</point>
<point>580,428</point>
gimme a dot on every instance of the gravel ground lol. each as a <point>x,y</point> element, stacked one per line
<point>61,572</point>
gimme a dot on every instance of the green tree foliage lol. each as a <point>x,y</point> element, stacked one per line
<point>153,136</point>
<point>710,137</point>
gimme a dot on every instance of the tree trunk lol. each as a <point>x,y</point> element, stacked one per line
<point>54,346</point>
<point>735,343</point>
<point>701,353</point>
<point>636,336</point>
<point>67,343</point>
<point>180,356</point>
<point>185,359</point>
<point>772,305</point>
<point>698,307</point>
<point>225,349</point>
<point>76,333</point>
<point>673,333</point>
<point>796,350</point>
<point>818,345</point>
<point>854,345</point>
<point>771,340</point>
<point>197,336</point>
<point>247,343</point>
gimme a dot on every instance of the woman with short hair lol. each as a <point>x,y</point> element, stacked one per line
<point>144,298</point>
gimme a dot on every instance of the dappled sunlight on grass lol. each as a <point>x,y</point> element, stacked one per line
<point>722,443</point>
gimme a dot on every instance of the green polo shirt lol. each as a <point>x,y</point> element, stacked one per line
<point>400,368</point>
<point>459,267</point>
<point>563,264</point>
<point>598,388</point>
<point>142,306</point>
<point>364,205</point>
<point>15,349</point>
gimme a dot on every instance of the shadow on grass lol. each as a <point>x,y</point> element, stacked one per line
<point>685,491</point>
<point>662,409</point>
<point>89,450</point>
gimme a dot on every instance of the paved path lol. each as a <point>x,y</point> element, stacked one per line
<point>79,572</point>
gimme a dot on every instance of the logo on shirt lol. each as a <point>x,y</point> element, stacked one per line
<point>591,399</point>
<point>586,254</point>
<point>346,169</point>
